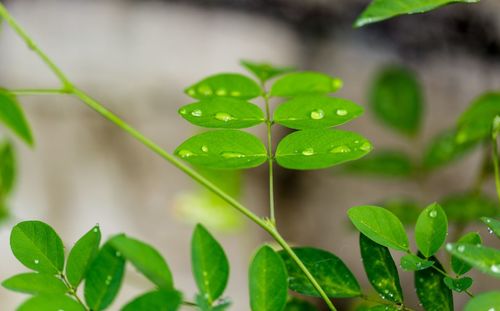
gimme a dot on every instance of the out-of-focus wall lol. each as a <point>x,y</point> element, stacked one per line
<point>137,57</point>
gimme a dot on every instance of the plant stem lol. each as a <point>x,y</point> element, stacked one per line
<point>72,291</point>
<point>494,147</point>
<point>69,88</point>
<point>270,156</point>
<point>38,91</point>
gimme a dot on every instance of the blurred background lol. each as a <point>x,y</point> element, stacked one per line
<point>138,56</point>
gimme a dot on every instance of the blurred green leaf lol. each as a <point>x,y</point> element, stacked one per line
<point>82,255</point>
<point>493,225</point>
<point>444,149</point>
<point>459,266</point>
<point>223,149</point>
<point>380,225</point>
<point>209,263</point>
<point>397,100</point>
<point>380,269</point>
<point>380,10</point>
<point>7,168</point>
<point>317,149</point>
<point>412,262</point>
<point>264,71</point>
<point>485,259</point>
<point>383,308</point>
<point>466,207</point>
<point>407,210</point>
<point>296,304</point>
<point>225,85</point>
<point>305,83</point>
<point>104,278</point>
<point>35,284</point>
<point>160,300</point>
<point>475,123</point>
<point>268,281</point>
<point>485,301</point>
<point>223,112</point>
<point>431,230</point>
<point>12,116</point>
<point>316,111</point>
<point>50,303</point>
<point>37,246</point>
<point>384,163</point>
<point>432,292</point>
<point>458,285</point>
<point>331,273</point>
<point>146,259</point>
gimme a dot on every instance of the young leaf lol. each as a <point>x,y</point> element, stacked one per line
<point>431,230</point>
<point>317,149</point>
<point>396,99</point>
<point>380,225</point>
<point>223,149</point>
<point>467,207</point>
<point>406,209</point>
<point>264,71</point>
<point>485,259</point>
<point>380,269</point>
<point>7,168</point>
<point>296,304</point>
<point>493,225</point>
<point>458,285</point>
<point>156,300</point>
<point>146,259</point>
<point>209,263</point>
<point>443,149</point>
<point>330,272</point>
<point>35,284</point>
<point>485,301</point>
<point>223,112</point>
<point>380,10</point>
<point>475,123</point>
<point>459,266</point>
<point>104,278</point>
<point>51,303</point>
<point>12,116</point>
<point>316,111</point>
<point>386,163</point>
<point>82,255</point>
<point>225,85</point>
<point>412,262</point>
<point>305,83</point>
<point>37,246</point>
<point>268,281</point>
<point>432,292</point>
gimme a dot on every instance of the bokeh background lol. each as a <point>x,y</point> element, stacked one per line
<point>138,56</point>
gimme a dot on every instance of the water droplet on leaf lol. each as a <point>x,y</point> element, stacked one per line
<point>205,90</point>
<point>196,113</point>
<point>36,261</point>
<point>340,149</point>
<point>308,151</point>
<point>221,92</point>
<point>317,114</point>
<point>341,112</point>
<point>366,146</point>
<point>204,148</point>
<point>235,93</point>
<point>223,116</point>
<point>185,153</point>
<point>433,213</point>
<point>231,155</point>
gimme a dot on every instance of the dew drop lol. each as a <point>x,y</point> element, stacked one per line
<point>488,220</point>
<point>449,247</point>
<point>223,116</point>
<point>341,149</point>
<point>341,112</point>
<point>204,148</point>
<point>308,151</point>
<point>205,90</point>
<point>491,309</point>
<point>317,114</point>
<point>96,229</point>
<point>183,111</point>
<point>196,113</point>
<point>221,92</point>
<point>108,279</point>
<point>366,146</point>
<point>235,93</point>
<point>36,261</point>
<point>185,153</point>
<point>495,268</point>
<point>433,213</point>
<point>232,155</point>
<point>490,231</point>
<point>461,249</point>
<point>337,84</point>
<point>191,92</point>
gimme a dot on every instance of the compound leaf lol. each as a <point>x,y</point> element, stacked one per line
<point>12,116</point>
<point>485,259</point>
<point>156,300</point>
<point>431,230</point>
<point>321,148</point>
<point>432,292</point>
<point>305,83</point>
<point>50,303</point>
<point>484,301</point>
<point>225,85</point>
<point>82,255</point>
<point>264,71</point>
<point>35,284</point>
<point>459,266</point>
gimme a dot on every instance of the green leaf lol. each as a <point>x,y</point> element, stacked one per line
<point>432,292</point>
<point>444,149</point>
<point>54,302</point>
<point>223,149</point>
<point>385,163</point>
<point>493,225</point>
<point>209,263</point>
<point>316,111</point>
<point>155,300</point>
<point>458,266</point>
<point>485,259</point>
<point>476,122</point>
<point>7,168</point>
<point>458,285</point>
<point>317,149</point>
<point>37,246</point>
<point>380,225</point>
<point>380,10</point>
<point>431,230</point>
<point>225,85</point>
<point>412,262</point>
<point>305,83</point>
<point>380,269</point>
<point>82,255</point>
<point>267,281</point>
<point>397,100</point>
<point>296,304</point>
<point>104,278</point>
<point>331,273</point>
<point>35,284</point>
<point>383,308</point>
<point>484,301</point>
<point>12,116</point>
<point>264,71</point>
<point>223,112</point>
<point>146,259</point>
<point>467,207</point>
<point>407,210</point>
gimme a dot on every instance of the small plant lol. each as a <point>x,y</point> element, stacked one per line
<point>90,277</point>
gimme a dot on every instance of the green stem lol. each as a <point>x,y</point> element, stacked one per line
<point>495,164</point>
<point>72,291</point>
<point>270,156</point>
<point>69,88</point>
<point>38,91</point>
